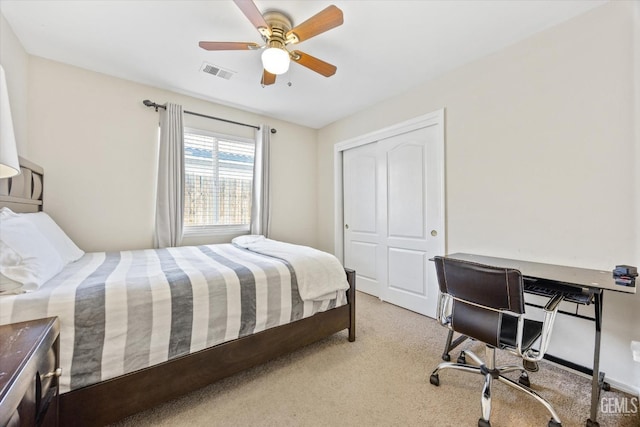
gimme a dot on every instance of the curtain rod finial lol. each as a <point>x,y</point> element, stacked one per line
<point>150,104</point>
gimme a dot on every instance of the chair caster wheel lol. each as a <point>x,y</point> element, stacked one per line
<point>606,386</point>
<point>462,359</point>
<point>446,357</point>
<point>524,380</point>
<point>553,423</point>
<point>434,379</point>
<point>483,423</point>
<point>592,423</point>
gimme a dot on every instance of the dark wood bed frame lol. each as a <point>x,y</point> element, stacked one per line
<point>117,398</point>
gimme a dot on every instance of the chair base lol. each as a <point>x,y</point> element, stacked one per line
<point>490,372</point>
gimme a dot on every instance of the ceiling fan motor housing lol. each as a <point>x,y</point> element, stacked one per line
<point>280,25</point>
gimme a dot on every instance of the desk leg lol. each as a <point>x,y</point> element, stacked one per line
<point>597,378</point>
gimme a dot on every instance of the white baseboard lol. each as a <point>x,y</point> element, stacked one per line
<point>625,388</point>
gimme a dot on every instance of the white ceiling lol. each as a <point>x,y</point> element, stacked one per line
<point>384,47</point>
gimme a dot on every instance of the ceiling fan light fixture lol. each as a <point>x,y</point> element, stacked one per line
<point>275,60</point>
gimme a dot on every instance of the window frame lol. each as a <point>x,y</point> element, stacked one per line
<point>217,230</point>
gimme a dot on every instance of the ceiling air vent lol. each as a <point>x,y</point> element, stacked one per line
<point>217,71</point>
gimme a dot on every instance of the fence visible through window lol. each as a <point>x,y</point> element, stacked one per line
<point>218,180</point>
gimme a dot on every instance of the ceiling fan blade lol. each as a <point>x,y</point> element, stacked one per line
<point>324,20</point>
<point>268,78</point>
<point>228,45</point>
<point>313,63</point>
<point>251,11</point>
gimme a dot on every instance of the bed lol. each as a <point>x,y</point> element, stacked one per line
<point>148,354</point>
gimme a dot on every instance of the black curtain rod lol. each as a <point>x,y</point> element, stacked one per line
<point>156,106</point>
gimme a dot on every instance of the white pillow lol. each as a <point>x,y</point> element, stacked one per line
<point>8,257</point>
<point>8,286</point>
<point>67,250</point>
<point>6,213</point>
<point>26,256</point>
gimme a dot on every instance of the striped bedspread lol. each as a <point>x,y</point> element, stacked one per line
<point>123,311</point>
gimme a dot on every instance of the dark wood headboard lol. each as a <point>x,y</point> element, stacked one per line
<point>23,193</point>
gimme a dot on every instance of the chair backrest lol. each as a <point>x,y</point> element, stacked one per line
<point>478,292</point>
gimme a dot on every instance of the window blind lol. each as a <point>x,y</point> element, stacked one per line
<point>218,179</point>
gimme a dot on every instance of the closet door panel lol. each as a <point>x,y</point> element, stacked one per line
<point>362,250</point>
<point>406,191</point>
<point>409,281</point>
<point>407,271</point>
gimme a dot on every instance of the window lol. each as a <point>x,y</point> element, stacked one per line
<point>218,182</point>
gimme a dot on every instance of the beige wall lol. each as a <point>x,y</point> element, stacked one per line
<point>97,143</point>
<point>540,147</point>
<point>15,61</point>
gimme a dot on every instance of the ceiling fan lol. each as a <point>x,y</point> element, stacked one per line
<point>278,32</point>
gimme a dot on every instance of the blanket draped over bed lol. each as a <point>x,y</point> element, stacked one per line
<point>318,273</point>
<point>123,311</point>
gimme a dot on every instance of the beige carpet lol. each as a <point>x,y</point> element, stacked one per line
<point>382,379</point>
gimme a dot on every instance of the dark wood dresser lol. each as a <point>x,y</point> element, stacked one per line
<point>29,371</point>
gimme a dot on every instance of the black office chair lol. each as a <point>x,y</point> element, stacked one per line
<point>486,303</point>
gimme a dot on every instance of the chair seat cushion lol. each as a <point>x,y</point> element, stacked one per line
<point>509,330</point>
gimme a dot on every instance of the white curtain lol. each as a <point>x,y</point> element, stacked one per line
<point>260,206</point>
<point>170,190</point>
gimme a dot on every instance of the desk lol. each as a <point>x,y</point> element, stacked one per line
<point>589,281</point>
